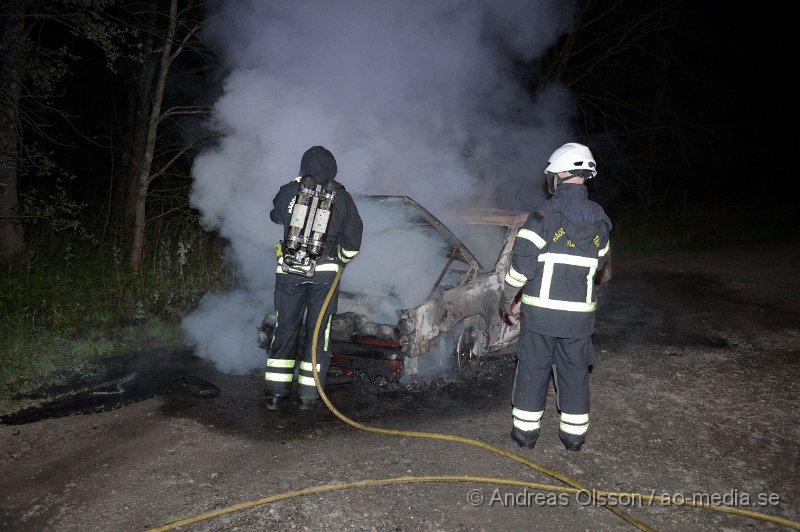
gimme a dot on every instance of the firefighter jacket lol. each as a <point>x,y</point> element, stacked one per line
<point>555,256</point>
<point>345,227</point>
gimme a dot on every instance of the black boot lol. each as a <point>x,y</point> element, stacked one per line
<point>524,438</point>
<point>572,442</point>
<point>273,401</point>
<point>308,403</point>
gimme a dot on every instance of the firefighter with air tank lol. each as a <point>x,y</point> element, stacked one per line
<point>322,233</point>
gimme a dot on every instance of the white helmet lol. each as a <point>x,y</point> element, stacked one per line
<point>572,157</point>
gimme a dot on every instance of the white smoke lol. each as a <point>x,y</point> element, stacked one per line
<point>413,98</point>
<point>398,266</point>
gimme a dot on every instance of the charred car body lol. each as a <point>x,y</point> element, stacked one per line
<point>455,320</point>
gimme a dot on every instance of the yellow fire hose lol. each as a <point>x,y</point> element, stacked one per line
<point>597,496</point>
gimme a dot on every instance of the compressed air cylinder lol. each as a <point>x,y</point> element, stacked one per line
<point>319,229</point>
<point>305,194</point>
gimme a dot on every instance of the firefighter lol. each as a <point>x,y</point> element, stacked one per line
<point>556,253</point>
<point>302,289</point>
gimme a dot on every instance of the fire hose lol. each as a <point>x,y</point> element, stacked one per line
<point>598,496</point>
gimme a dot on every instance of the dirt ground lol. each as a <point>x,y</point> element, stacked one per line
<point>694,395</point>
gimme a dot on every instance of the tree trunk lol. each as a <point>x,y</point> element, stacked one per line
<point>137,247</point>
<point>127,183</point>
<point>11,236</point>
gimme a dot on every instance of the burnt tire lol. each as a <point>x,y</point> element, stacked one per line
<point>469,344</point>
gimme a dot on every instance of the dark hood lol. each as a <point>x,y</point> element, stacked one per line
<point>581,214</point>
<point>572,200</point>
<point>318,162</point>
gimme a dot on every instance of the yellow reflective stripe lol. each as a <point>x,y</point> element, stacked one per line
<point>327,267</point>
<point>574,423</point>
<point>527,426</point>
<point>345,254</point>
<point>527,415</point>
<point>602,252</point>
<point>280,363</point>
<point>575,419</point>
<point>550,260</point>
<point>547,275</point>
<point>555,304</point>
<point>573,429</point>
<point>516,275</point>
<point>513,282</point>
<point>307,381</point>
<point>572,260</point>
<point>590,284</point>
<point>278,377</point>
<point>527,234</point>
<point>526,420</point>
<point>306,366</point>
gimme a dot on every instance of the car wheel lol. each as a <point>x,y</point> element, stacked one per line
<point>469,345</point>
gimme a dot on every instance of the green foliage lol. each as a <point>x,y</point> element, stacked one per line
<point>40,64</point>
<point>89,19</point>
<point>56,210</point>
<point>41,71</point>
<point>64,306</point>
<point>638,231</point>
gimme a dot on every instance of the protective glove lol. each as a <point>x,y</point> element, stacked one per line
<point>505,304</point>
<point>507,300</point>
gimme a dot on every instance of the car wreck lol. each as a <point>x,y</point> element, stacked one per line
<point>454,322</point>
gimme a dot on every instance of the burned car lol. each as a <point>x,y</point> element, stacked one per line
<point>418,302</point>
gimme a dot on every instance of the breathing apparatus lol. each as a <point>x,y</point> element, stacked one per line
<point>308,229</point>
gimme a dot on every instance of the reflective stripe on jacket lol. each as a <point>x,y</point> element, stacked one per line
<point>555,259</point>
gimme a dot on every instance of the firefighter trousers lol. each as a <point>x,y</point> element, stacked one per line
<point>569,360</point>
<point>298,302</point>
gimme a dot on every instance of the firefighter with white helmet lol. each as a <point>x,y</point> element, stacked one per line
<point>322,233</point>
<point>556,254</point>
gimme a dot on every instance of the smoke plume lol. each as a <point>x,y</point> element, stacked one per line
<point>414,98</point>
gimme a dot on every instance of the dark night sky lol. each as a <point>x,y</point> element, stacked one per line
<point>748,54</point>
